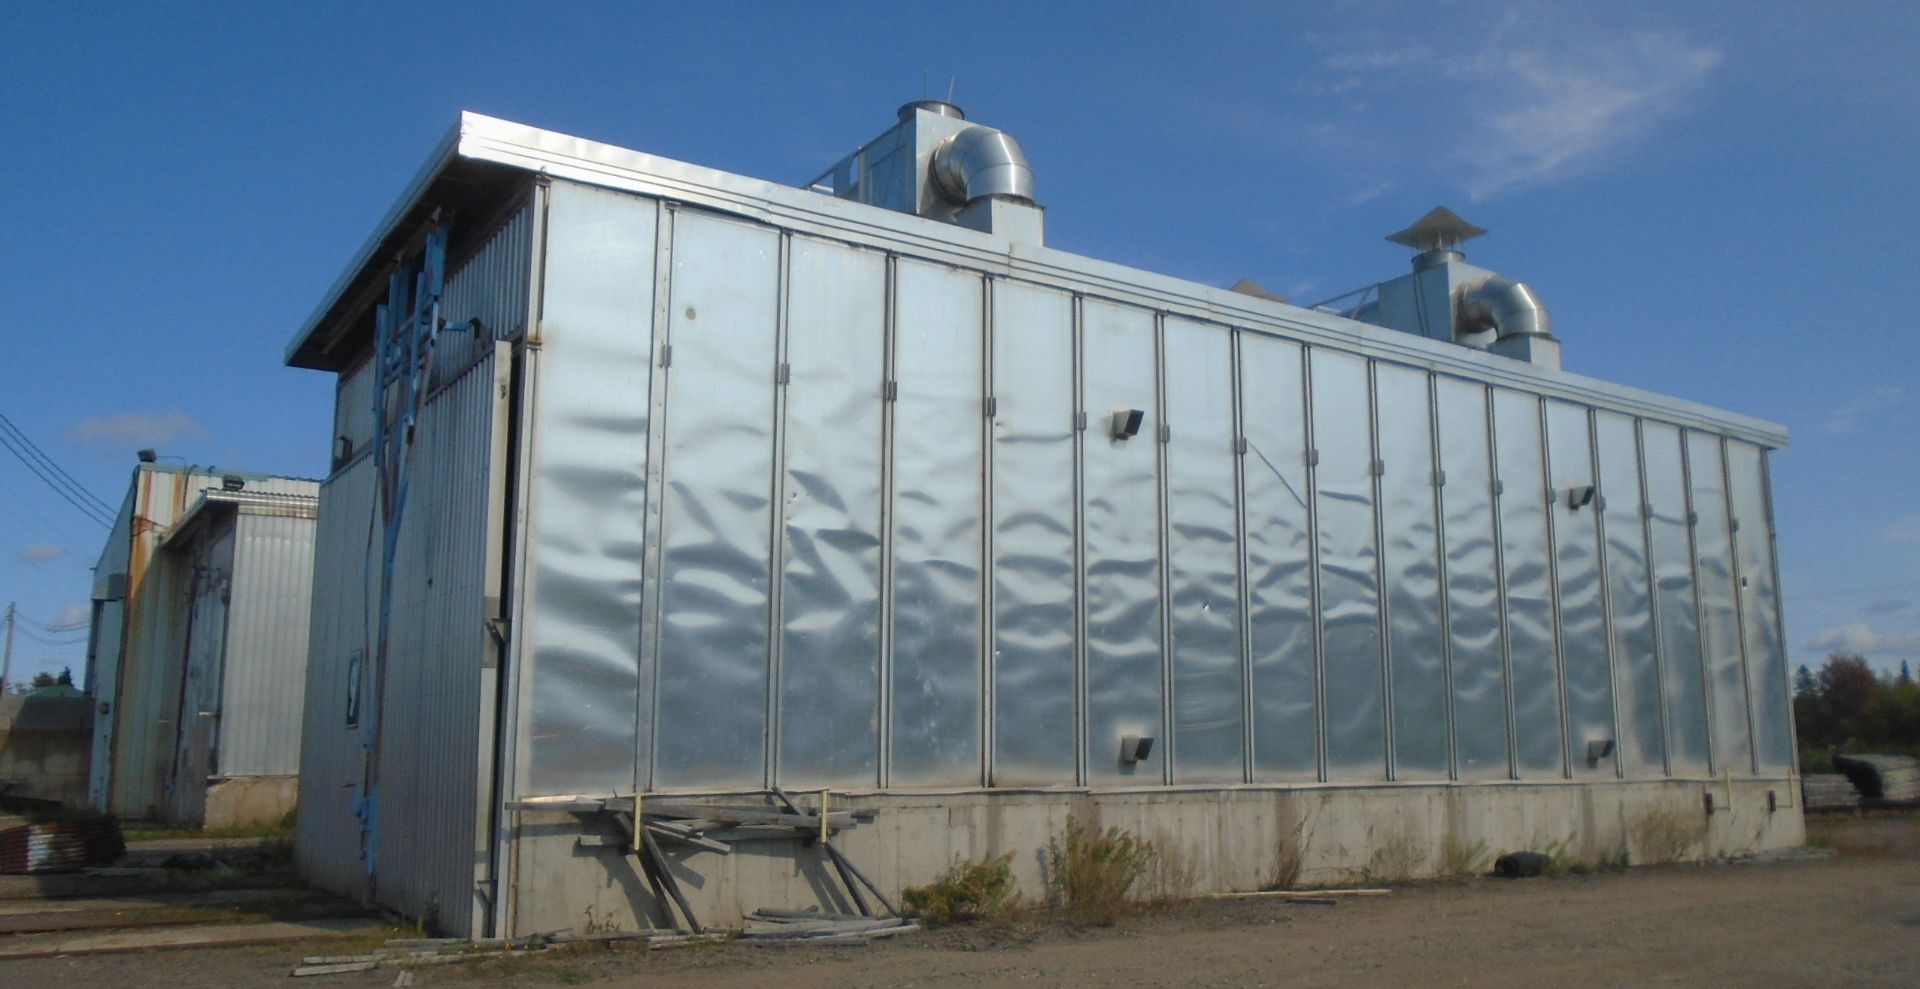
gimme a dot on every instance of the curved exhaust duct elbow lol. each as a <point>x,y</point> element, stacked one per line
<point>1503,306</point>
<point>979,162</point>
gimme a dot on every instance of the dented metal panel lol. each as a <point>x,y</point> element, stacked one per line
<point>1416,641</point>
<point>1203,559</point>
<point>829,676</point>
<point>588,496</point>
<point>1720,645</point>
<point>1636,667</point>
<point>1677,617</point>
<point>1121,508</point>
<point>1587,675</point>
<point>1533,666</point>
<point>938,512</point>
<point>1478,672</point>
<point>1760,609</point>
<point>1349,579</point>
<point>1035,707</point>
<point>1285,683</point>
<point>710,707</point>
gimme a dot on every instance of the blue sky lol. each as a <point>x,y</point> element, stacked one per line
<point>1716,201</point>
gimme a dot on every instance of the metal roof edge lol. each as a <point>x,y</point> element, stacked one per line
<point>443,155</point>
<point>244,503</point>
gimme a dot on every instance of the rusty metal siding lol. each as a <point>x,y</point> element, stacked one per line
<point>264,682</point>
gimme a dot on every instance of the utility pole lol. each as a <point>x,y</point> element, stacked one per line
<point>6,665</point>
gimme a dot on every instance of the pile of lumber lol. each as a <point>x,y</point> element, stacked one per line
<point>1828,790</point>
<point>1882,777</point>
<point>815,927</point>
<point>60,846</point>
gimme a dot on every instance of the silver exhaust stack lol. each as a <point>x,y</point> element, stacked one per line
<point>935,164</point>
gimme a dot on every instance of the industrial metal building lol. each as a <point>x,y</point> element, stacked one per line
<point>653,480</point>
<point>196,659</point>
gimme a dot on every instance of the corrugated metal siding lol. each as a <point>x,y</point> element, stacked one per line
<point>430,794</point>
<point>149,685</point>
<point>353,406</point>
<point>331,756</point>
<point>264,686</point>
<point>104,651</point>
<point>207,566</point>
<point>492,287</point>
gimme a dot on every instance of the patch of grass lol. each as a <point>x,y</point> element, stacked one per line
<point>1171,874</point>
<point>1290,858</point>
<point>1462,858</point>
<point>966,891</point>
<point>1665,834</point>
<point>1397,856</point>
<point>282,828</point>
<point>1091,872</point>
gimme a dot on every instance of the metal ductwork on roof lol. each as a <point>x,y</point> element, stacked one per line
<point>934,163</point>
<point>1445,298</point>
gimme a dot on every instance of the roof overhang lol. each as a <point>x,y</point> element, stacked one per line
<point>216,504</point>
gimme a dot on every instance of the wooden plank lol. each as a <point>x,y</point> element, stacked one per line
<point>211,898</point>
<point>1298,894</point>
<point>190,937</point>
<point>747,815</point>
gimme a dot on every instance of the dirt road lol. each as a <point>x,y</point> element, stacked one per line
<point>1847,921</point>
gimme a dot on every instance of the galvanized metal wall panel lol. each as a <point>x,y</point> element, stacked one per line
<point>830,628</point>
<point>1760,609</point>
<point>1416,638</point>
<point>587,507</point>
<point>208,562</point>
<point>1203,557</point>
<point>1279,561</point>
<point>1532,657</point>
<point>265,682</point>
<point>1636,665</point>
<point>1121,512</point>
<point>938,526</point>
<point>425,833</point>
<point>1719,607</point>
<point>1677,619</point>
<point>710,706</point>
<point>332,753</point>
<point>1587,675</point>
<point>353,406</point>
<point>1478,670</point>
<point>491,286</point>
<point>1035,707</point>
<point>1348,559</point>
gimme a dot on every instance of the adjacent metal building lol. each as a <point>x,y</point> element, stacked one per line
<point>654,479</point>
<point>197,655</point>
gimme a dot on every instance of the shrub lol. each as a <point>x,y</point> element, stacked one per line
<point>966,891</point>
<point>1090,871</point>
<point>1663,834</point>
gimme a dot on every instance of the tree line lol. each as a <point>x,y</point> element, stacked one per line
<point>1845,707</point>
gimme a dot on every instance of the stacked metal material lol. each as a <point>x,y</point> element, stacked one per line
<point>1882,777</point>
<point>61,846</point>
<point>1821,790</point>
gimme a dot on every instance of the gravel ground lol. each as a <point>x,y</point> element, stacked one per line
<point>1849,920</point>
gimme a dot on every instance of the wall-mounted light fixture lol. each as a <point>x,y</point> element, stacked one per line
<point>232,482</point>
<point>147,456</point>
<point>1126,425</point>
<point>1135,748</point>
<point>1580,496</point>
<point>1598,749</point>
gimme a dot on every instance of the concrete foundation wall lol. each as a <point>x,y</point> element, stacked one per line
<point>1234,839</point>
<point>249,799</point>
<point>45,747</point>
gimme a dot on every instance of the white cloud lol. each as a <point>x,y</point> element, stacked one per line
<point>132,430</point>
<point>1858,638</point>
<point>41,553</point>
<point>1850,416</point>
<point>74,614</point>
<point>1531,97</point>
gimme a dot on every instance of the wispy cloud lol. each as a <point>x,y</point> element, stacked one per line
<point>1860,639</point>
<point>1886,606</point>
<point>1524,100</point>
<point>74,614</point>
<point>1850,416</point>
<point>41,553</point>
<point>137,429</point>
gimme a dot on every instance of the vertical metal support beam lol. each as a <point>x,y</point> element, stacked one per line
<point>1243,593</point>
<point>1080,731</point>
<point>1553,586</point>
<point>1699,606</point>
<point>1435,479</point>
<point>777,517</point>
<point>1616,662</point>
<point>1382,619</point>
<point>1313,562</point>
<point>1496,491</point>
<point>889,376</point>
<point>1780,623</point>
<point>1653,593</point>
<point>653,550</point>
<point>1168,737</point>
<point>1739,603</point>
<point>988,626</point>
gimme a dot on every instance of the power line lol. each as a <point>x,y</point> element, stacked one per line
<point>27,630</point>
<point>68,479</point>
